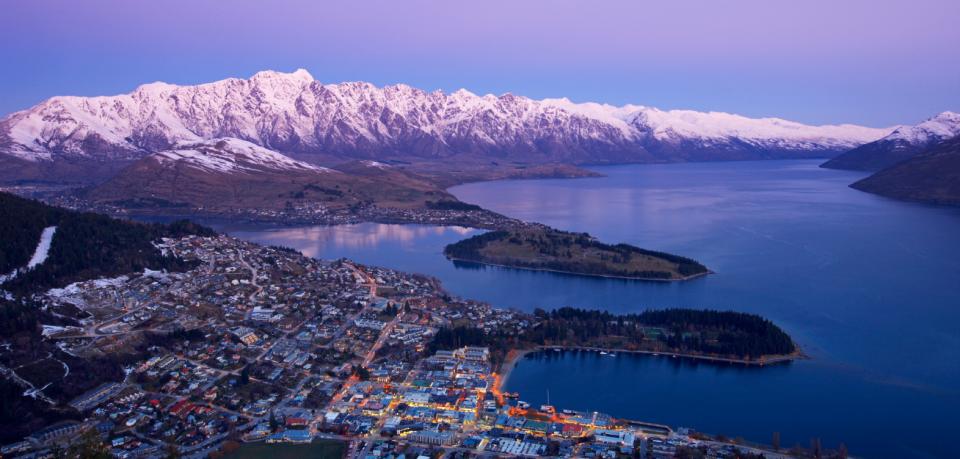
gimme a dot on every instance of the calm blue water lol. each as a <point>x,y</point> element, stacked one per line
<point>868,286</point>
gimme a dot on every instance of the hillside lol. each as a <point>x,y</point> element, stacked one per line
<point>541,248</point>
<point>903,143</point>
<point>932,176</point>
<point>229,174</point>
<point>83,246</point>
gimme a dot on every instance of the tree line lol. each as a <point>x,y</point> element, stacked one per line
<point>560,244</point>
<point>706,332</point>
<point>85,246</point>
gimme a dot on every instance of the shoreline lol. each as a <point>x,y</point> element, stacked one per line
<point>574,273</point>
<point>767,360</point>
<point>509,363</point>
<point>515,355</point>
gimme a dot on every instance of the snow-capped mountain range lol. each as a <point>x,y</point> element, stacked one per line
<point>903,143</point>
<point>296,115</point>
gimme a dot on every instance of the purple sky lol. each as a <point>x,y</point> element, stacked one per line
<point>872,62</point>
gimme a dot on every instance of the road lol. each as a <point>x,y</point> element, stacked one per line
<point>253,277</point>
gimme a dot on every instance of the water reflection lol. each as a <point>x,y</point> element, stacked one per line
<point>322,241</point>
<point>866,285</point>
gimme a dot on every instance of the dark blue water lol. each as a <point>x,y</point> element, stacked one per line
<point>868,286</point>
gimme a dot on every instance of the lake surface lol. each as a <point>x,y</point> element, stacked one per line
<point>869,287</point>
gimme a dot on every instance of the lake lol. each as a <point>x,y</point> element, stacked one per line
<point>869,287</point>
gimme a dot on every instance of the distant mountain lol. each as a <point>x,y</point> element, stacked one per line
<point>686,135</point>
<point>228,174</point>
<point>932,176</point>
<point>903,143</point>
<point>92,138</point>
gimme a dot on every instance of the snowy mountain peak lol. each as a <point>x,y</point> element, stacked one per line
<point>300,76</point>
<point>948,116</point>
<point>940,127</point>
<point>294,114</point>
<point>463,93</point>
<point>904,143</point>
<point>157,87</point>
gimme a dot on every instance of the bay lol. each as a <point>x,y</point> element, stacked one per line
<point>869,287</point>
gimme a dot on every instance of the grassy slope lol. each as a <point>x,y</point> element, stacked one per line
<point>151,184</point>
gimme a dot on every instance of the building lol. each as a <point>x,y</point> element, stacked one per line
<point>431,437</point>
<point>246,335</point>
<point>621,437</point>
<point>475,354</point>
<point>96,396</point>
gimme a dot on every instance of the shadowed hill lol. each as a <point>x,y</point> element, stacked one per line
<point>932,176</point>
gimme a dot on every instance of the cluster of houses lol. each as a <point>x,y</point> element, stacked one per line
<point>264,344</point>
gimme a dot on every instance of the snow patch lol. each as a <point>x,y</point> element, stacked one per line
<point>376,164</point>
<point>229,155</point>
<point>50,330</point>
<point>39,255</point>
<point>76,288</point>
<point>43,248</point>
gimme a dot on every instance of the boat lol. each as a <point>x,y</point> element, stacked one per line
<point>611,354</point>
<point>603,352</point>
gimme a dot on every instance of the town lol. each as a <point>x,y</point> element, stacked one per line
<point>292,214</point>
<point>264,345</point>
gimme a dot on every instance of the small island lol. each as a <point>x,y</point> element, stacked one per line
<point>542,248</point>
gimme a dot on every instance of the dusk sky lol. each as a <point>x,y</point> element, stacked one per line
<point>873,62</point>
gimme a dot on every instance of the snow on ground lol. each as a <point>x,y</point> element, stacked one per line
<point>72,293</point>
<point>942,126</point>
<point>147,272</point>
<point>52,329</point>
<point>162,247</point>
<point>66,368</point>
<point>65,348</point>
<point>376,164</point>
<point>39,254</point>
<point>43,248</point>
<point>229,155</point>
